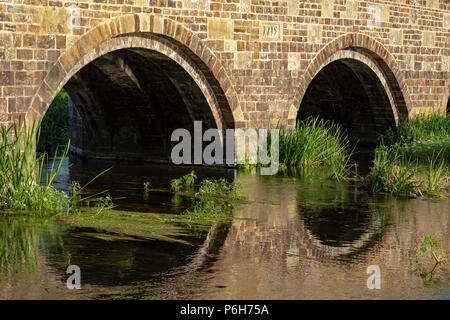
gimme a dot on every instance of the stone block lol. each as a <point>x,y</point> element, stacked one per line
<point>270,32</point>
<point>157,24</point>
<point>220,29</point>
<point>410,62</point>
<point>413,16</point>
<point>230,45</point>
<point>447,20</point>
<point>55,20</point>
<point>292,7</point>
<point>245,5</point>
<point>243,60</point>
<point>377,15</point>
<point>428,39</point>
<point>434,4</point>
<point>327,8</point>
<point>195,4</point>
<point>396,37</point>
<point>315,34</point>
<point>294,61</point>
<point>351,11</point>
<point>445,63</point>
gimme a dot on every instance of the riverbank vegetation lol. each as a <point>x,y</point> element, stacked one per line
<point>413,159</point>
<point>27,178</point>
<point>312,143</point>
<point>25,181</point>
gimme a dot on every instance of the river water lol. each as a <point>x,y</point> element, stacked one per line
<point>295,237</point>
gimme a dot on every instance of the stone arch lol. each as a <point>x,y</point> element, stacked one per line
<point>136,30</point>
<point>370,52</point>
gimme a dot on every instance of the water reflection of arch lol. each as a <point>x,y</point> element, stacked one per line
<point>341,232</point>
<point>295,238</point>
<point>124,262</point>
<point>286,230</point>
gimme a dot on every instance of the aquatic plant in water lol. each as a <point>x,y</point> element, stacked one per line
<point>143,225</point>
<point>212,199</point>
<point>183,182</point>
<point>220,188</point>
<point>104,203</point>
<point>424,256</point>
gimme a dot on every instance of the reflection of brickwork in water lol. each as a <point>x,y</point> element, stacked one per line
<point>278,247</point>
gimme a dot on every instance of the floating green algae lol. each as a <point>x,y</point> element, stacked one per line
<point>150,226</point>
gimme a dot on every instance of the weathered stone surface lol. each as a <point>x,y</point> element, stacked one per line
<point>396,37</point>
<point>195,4</point>
<point>410,62</point>
<point>315,34</point>
<point>243,60</point>
<point>271,32</point>
<point>220,29</point>
<point>352,9</point>
<point>445,63</point>
<point>294,59</point>
<point>447,20</point>
<point>428,38</point>
<point>433,4</point>
<point>292,7</point>
<point>257,58</point>
<point>327,8</point>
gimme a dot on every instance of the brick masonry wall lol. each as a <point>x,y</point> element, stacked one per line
<point>263,54</point>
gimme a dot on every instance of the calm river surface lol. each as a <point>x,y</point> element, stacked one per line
<point>294,238</point>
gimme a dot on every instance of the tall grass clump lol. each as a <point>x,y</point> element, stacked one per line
<point>421,127</point>
<point>21,171</point>
<point>423,137</point>
<point>414,159</point>
<point>184,182</point>
<point>392,173</point>
<point>55,125</point>
<point>314,143</point>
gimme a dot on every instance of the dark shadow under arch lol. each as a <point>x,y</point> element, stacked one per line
<point>126,104</point>
<point>348,92</point>
<point>164,36</point>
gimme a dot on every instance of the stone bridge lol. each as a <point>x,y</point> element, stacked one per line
<point>137,69</point>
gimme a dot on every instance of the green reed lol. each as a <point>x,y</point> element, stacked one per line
<point>21,171</point>
<point>314,143</point>
<point>414,160</point>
